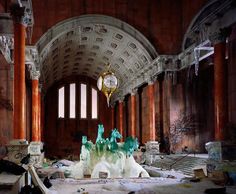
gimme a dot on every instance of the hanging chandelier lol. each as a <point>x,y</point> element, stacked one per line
<point>107,83</point>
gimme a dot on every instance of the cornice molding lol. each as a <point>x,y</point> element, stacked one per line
<point>209,22</point>
<point>34,75</point>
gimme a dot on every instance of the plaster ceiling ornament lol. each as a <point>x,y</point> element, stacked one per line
<point>107,83</point>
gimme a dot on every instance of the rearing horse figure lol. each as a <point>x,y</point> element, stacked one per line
<point>100,141</point>
<point>113,146</point>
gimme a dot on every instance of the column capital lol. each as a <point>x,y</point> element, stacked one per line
<point>151,81</point>
<point>31,55</point>
<point>220,36</point>
<point>121,99</point>
<point>18,14</point>
<point>133,91</point>
<point>34,74</point>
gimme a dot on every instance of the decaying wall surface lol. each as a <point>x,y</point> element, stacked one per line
<point>232,85</point>
<point>191,111</point>
<point>145,115</point>
<point>6,102</point>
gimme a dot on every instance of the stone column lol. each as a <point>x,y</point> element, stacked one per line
<point>35,106</point>
<point>19,119</point>
<point>151,108</point>
<point>133,113</point>
<point>121,128</point>
<point>152,146</point>
<point>35,146</point>
<point>220,86</point>
<point>18,147</point>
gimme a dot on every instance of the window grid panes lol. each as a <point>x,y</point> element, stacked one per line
<point>83,96</point>
<point>94,104</point>
<point>83,101</point>
<point>61,102</point>
<point>72,100</point>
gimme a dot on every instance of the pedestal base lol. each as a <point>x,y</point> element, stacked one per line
<point>35,151</point>
<point>214,150</point>
<point>17,149</point>
<point>152,150</point>
<point>221,157</point>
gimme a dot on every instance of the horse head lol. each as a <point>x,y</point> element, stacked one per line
<point>115,134</point>
<point>100,133</point>
<point>131,144</point>
<point>84,140</point>
<point>86,143</point>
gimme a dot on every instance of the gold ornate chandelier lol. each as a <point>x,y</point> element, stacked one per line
<point>107,83</point>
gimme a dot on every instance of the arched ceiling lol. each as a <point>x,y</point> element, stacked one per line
<point>84,45</point>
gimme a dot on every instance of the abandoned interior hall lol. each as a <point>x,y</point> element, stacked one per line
<point>117,96</point>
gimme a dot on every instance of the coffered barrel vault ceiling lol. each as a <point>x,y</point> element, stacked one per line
<point>84,45</point>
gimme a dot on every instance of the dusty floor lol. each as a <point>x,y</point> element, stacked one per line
<point>153,185</point>
<point>139,186</point>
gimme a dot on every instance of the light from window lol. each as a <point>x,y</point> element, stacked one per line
<point>72,100</point>
<point>94,104</point>
<point>83,101</point>
<point>61,100</point>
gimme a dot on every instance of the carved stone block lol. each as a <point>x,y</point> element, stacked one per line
<point>152,150</point>
<point>34,149</point>
<point>152,147</point>
<point>214,150</point>
<point>17,149</point>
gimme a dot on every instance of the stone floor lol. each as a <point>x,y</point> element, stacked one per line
<point>138,186</point>
<point>170,181</point>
